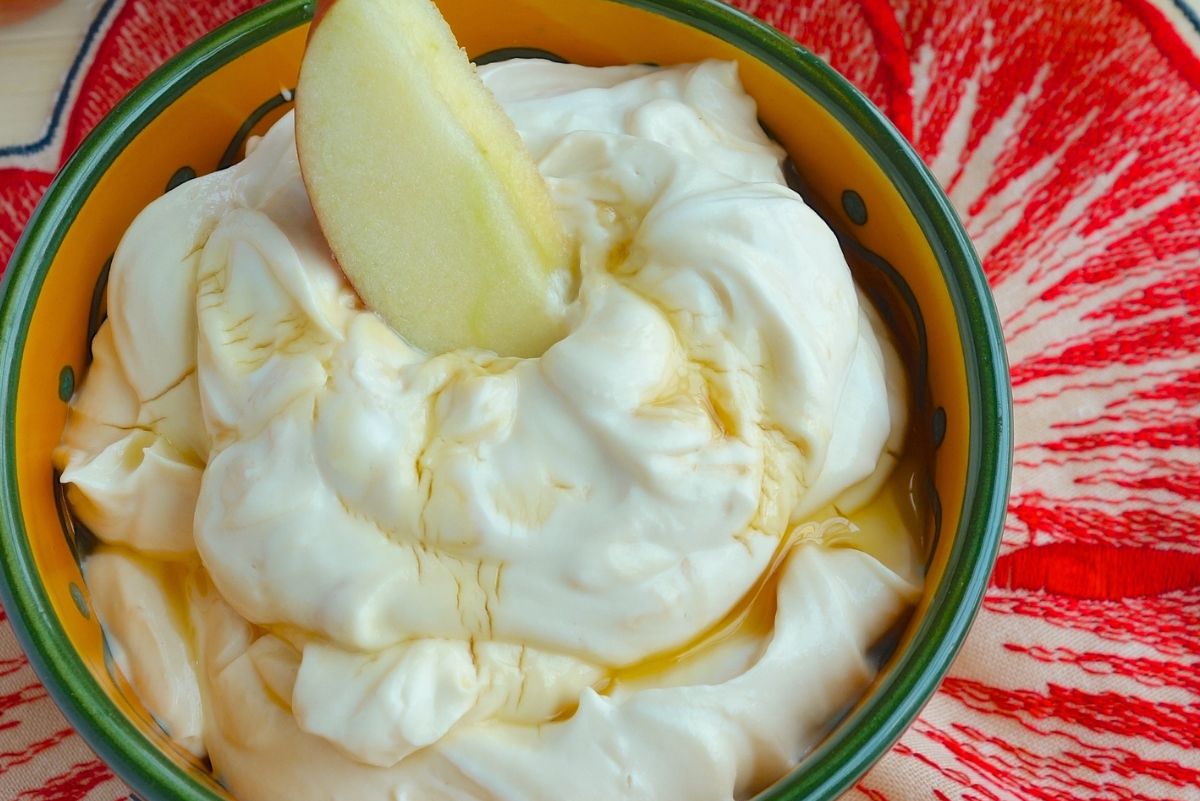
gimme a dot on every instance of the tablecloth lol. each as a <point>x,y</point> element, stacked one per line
<point>1067,134</point>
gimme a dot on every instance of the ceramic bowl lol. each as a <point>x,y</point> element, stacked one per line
<point>193,116</point>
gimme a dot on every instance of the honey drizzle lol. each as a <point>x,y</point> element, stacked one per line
<point>898,546</point>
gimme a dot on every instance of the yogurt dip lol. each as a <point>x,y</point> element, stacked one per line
<point>343,568</point>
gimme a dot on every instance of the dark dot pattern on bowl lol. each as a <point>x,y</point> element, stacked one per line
<point>180,176</point>
<point>236,148</point>
<point>505,53</point>
<point>935,506</point>
<point>96,311</point>
<point>854,206</point>
<point>80,602</point>
<point>66,383</point>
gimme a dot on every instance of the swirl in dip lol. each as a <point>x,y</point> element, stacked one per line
<point>346,569</point>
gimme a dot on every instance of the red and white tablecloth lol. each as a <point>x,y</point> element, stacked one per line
<point>1067,133</point>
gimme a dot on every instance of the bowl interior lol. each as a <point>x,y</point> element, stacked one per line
<point>194,115</point>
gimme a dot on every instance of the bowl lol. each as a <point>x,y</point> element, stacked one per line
<point>903,238</point>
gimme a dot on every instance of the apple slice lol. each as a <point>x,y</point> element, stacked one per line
<point>424,190</point>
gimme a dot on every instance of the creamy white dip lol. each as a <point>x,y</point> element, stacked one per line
<point>344,568</point>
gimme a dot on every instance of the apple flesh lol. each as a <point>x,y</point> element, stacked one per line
<point>429,200</point>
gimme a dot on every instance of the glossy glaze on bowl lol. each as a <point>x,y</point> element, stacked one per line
<point>192,115</point>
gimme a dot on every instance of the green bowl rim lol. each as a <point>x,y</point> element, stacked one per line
<point>866,734</point>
